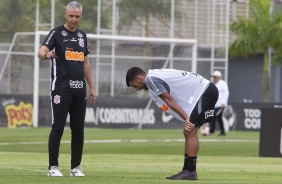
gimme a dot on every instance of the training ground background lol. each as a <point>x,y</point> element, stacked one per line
<point>136,156</point>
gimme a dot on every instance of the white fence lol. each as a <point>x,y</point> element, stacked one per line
<point>178,26</point>
<point>114,55</point>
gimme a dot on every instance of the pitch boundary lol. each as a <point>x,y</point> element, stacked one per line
<point>132,141</point>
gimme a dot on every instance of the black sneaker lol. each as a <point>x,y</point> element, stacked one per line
<point>175,175</point>
<point>187,176</point>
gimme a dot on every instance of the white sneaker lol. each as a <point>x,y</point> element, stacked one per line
<point>54,171</point>
<point>77,171</point>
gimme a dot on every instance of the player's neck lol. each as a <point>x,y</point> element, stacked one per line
<point>68,28</point>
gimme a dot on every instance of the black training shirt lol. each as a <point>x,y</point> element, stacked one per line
<point>67,72</point>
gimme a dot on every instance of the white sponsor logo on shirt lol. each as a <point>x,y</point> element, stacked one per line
<point>76,84</point>
<point>73,40</point>
<point>64,33</point>
<point>79,34</point>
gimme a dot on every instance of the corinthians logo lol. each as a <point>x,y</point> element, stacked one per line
<point>57,99</point>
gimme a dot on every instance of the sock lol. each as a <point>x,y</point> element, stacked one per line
<point>192,162</point>
<point>185,165</point>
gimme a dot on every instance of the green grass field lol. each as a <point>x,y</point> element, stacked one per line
<point>136,156</point>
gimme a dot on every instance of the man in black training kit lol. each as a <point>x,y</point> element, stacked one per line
<point>70,68</point>
<point>187,96</point>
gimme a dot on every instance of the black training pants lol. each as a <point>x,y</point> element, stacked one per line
<point>74,103</point>
<point>218,112</point>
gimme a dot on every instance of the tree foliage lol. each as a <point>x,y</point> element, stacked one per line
<point>20,16</point>
<point>252,33</point>
<point>275,36</point>
<point>257,33</point>
<point>132,10</point>
<point>16,16</point>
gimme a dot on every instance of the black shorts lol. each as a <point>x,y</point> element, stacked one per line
<point>204,110</point>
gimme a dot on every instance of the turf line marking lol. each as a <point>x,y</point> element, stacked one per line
<point>132,141</point>
<point>35,170</point>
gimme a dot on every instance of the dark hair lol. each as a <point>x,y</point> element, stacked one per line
<point>132,73</point>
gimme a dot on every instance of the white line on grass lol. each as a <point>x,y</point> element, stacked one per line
<point>35,170</point>
<point>24,169</point>
<point>131,141</point>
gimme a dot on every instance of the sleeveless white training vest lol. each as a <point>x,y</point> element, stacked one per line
<point>186,88</point>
